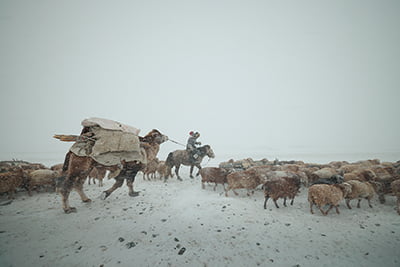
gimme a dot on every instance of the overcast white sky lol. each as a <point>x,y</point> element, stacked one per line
<point>266,75</point>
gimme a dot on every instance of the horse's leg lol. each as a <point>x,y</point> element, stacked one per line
<point>191,171</point>
<point>177,172</point>
<point>199,168</point>
<point>265,201</point>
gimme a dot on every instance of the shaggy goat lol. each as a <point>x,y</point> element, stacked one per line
<point>284,187</point>
<point>360,190</point>
<point>324,194</point>
<point>213,175</point>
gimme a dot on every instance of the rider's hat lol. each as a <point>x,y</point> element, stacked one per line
<point>191,133</point>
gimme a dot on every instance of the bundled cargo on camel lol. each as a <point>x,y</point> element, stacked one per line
<point>107,142</point>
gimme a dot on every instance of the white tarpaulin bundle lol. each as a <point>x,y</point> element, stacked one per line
<point>110,125</point>
<point>112,142</point>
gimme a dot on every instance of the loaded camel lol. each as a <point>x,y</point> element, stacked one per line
<point>76,169</point>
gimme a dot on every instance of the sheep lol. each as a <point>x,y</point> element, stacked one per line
<point>97,173</point>
<point>214,175</point>
<point>334,179</point>
<point>323,194</point>
<point>322,173</point>
<point>363,175</point>
<point>11,180</point>
<point>248,179</point>
<point>150,169</point>
<point>163,170</point>
<point>395,185</point>
<point>382,186</point>
<point>41,177</point>
<point>283,187</point>
<point>57,167</point>
<point>360,190</point>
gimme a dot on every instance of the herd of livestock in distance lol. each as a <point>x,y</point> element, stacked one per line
<point>328,184</point>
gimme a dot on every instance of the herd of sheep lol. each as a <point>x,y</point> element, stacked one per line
<point>328,184</point>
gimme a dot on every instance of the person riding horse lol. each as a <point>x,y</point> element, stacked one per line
<point>191,145</point>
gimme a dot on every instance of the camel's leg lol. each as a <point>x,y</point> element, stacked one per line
<point>129,183</point>
<point>79,188</point>
<point>118,183</point>
<point>65,191</point>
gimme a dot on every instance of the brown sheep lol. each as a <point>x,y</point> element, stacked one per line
<point>97,173</point>
<point>214,175</point>
<point>41,177</point>
<point>151,169</point>
<point>11,180</point>
<point>363,175</point>
<point>395,185</point>
<point>283,187</point>
<point>57,167</point>
<point>360,190</point>
<point>248,179</point>
<point>324,194</point>
<point>163,170</point>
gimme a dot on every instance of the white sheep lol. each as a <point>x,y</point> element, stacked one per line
<point>360,190</point>
<point>325,194</point>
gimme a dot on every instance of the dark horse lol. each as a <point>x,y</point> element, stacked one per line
<point>76,169</point>
<point>178,157</point>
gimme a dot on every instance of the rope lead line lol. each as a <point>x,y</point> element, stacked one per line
<point>175,142</point>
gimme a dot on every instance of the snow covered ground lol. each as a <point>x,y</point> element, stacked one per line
<point>179,224</point>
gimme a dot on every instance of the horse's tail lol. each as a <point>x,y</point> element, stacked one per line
<point>66,161</point>
<point>170,160</point>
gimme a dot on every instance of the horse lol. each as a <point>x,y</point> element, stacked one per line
<point>76,169</point>
<point>178,157</point>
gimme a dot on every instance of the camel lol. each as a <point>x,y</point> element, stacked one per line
<point>76,169</point>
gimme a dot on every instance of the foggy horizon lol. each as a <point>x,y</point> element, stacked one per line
<point>254,76</point>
